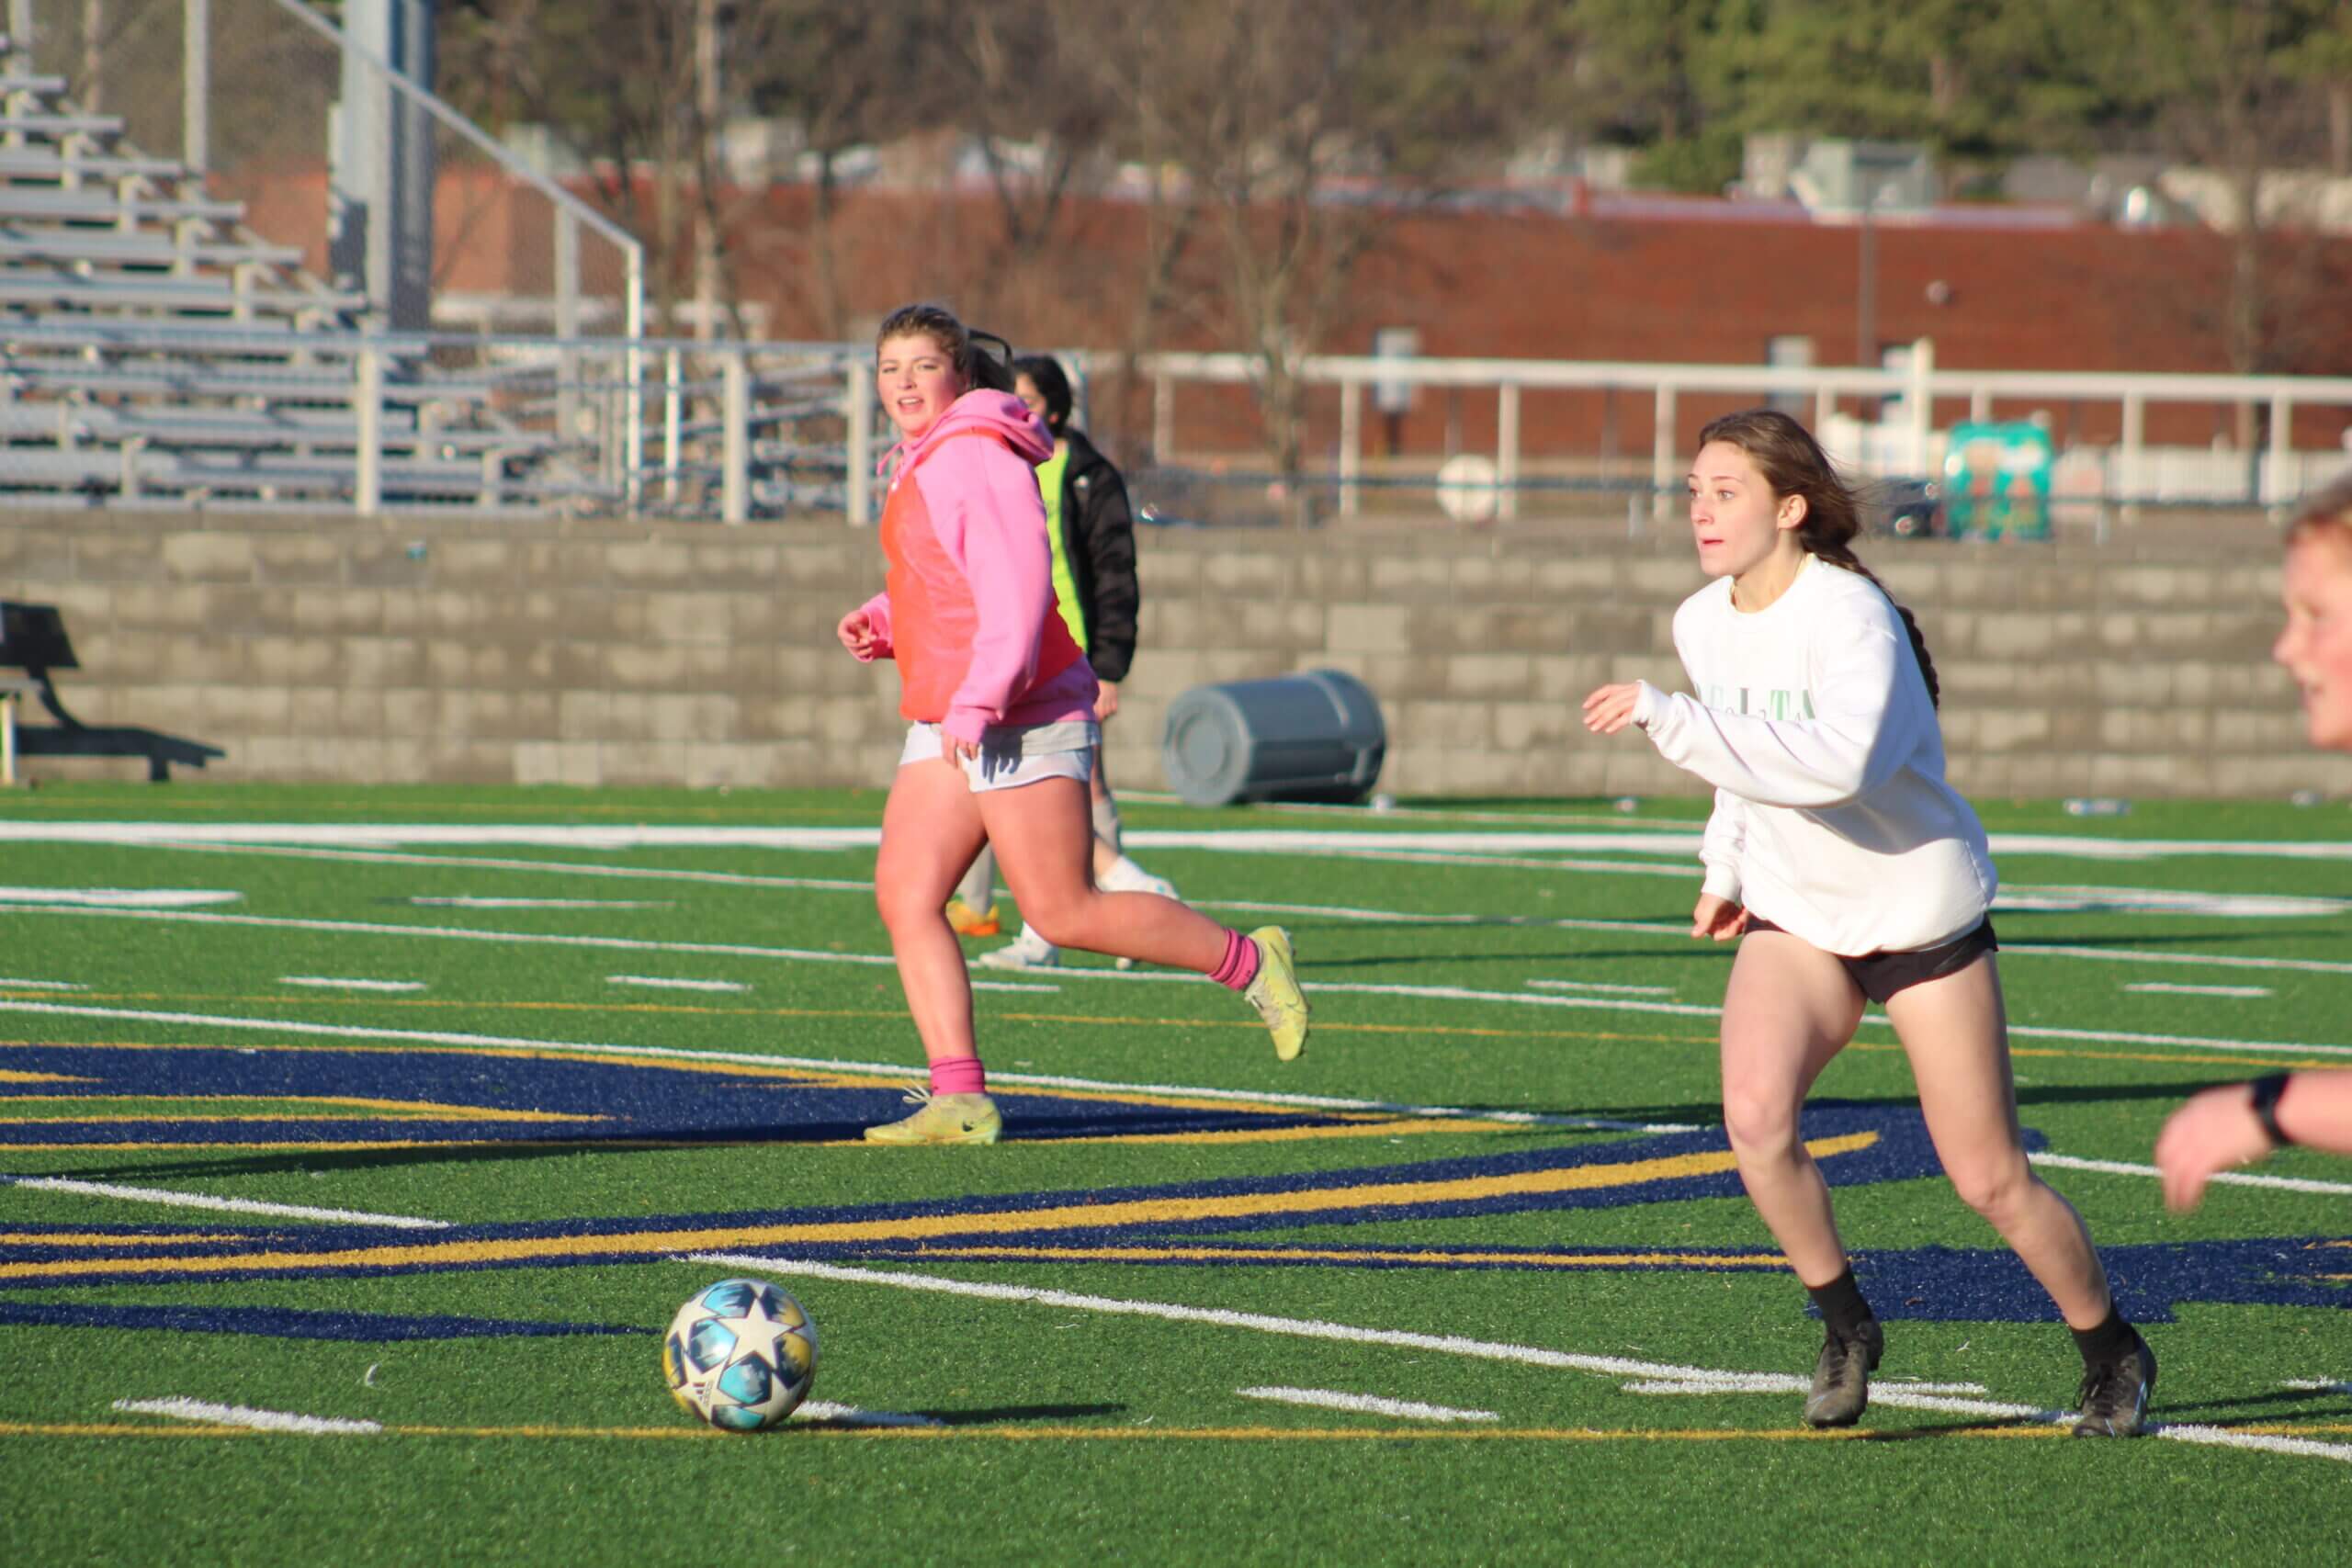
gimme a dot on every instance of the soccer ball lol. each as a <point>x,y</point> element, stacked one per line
<point>741,1354</point>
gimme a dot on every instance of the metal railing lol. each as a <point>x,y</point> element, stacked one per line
<point>1907,445</point>
<point>244,94</point>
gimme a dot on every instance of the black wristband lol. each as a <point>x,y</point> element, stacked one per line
<point>2266,1091</point>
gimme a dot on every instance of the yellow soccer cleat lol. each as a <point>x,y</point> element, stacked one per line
<point>943,1119</point>
<point>1275,993</point>
<point>968,921</point>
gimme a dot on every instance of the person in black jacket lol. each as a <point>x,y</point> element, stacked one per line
<point>1093,538</point>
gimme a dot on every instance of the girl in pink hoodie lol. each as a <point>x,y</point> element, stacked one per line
<point>1002,730</point>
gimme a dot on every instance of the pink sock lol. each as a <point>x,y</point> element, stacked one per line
<point>958,1075</point>
<point>1239,966</point>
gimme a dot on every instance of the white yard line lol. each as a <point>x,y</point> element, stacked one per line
<point>655,982</point>
<point>183,1409</point>
<point>851,1416</point>
<point>489,862</point>
<point>121,897</point>
<point>1785,1383</point>
<point>2164,988</point>
<point>1682,840</point>
<point>2232,1177</point>
<point>225,1205</point>
<point>9,983</point>
<point>980,984</point>
<point>330,982</point>
<point>1597,985</point>
<point>1369,1405</point>
<point>1675,1379</point>
<point>1324,988</point>
<point>463,901</point>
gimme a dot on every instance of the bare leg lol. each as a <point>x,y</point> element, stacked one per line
<point>1790,1009</point>
<point>1955,1031</point>
<point>931,829</point>
<point>1042,835</point>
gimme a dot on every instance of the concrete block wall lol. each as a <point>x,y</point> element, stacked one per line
<point>460,649</point>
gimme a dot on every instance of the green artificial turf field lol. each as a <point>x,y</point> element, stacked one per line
<point>360,1144</point>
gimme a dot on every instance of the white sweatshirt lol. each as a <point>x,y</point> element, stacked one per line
<point>1831,817</point>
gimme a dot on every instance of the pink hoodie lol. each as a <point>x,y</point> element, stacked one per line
<point>980,500</point>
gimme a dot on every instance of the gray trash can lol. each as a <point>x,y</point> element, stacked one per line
<point>1316,735</point>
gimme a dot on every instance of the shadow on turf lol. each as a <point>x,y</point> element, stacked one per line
<point>2255,1409</point>
<point>989,1415</point>
<point>294,1163</point>
<point>1709,1112</point>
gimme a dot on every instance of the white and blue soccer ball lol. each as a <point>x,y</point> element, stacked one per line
<point>741,1354</point>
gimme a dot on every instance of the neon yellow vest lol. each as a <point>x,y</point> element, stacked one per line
<point>1049,485</point>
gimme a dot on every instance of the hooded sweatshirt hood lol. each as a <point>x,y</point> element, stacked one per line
<point>1001,413</point>
<point>969,606</point>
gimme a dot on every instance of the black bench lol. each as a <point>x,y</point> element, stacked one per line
<point>32,638</point>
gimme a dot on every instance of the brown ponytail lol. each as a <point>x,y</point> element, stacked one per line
<point>1793,463</point>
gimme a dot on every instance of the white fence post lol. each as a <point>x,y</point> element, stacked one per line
<point>735,492</point>
<point>1662,443</point>
<point>1921,396</point>
<point>196,90</point>
<point>367,404</point>
<point>672,419</point>
<point>1507,453</point>
<point>1351,443</point>
<point>2274,472</point>
<point>2127,480</point>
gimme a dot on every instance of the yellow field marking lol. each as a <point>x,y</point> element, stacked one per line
<point>8,1077</point>
<point>411,1108</point>
<point>917,1227</point>
<point>1772,1261</point>
<point>99,1238</point>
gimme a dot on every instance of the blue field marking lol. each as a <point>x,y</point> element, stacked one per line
<point>310,1094</point>
<point>1199,1224</point>
<point>292,1323</point>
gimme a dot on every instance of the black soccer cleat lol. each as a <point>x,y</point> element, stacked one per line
<point>1841,1378</point>
<point>2114,1396</point>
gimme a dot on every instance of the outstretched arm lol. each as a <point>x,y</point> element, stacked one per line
<point>2220,1128</point>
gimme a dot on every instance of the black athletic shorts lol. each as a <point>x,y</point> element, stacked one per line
<point>1884,972</point>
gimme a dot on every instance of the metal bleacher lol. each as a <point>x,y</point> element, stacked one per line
<point>155,350</point>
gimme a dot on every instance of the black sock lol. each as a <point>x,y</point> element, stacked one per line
<point>2110,1341</point>
<point>1841,1304</point>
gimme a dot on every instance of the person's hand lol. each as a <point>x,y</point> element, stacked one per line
<point>857,634</point>
<point>2213,1131</point>
<point>1611,709</point>
<point>1718,918</point>
<point>953,751</point>
<point>1106,700</point>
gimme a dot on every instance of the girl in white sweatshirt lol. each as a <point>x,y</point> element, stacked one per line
<point>1852,872</point>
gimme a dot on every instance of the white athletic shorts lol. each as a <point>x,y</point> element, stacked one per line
<point>1013,755</point>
